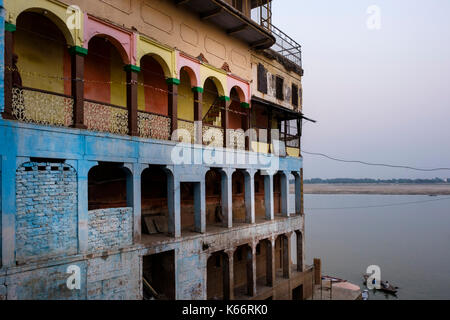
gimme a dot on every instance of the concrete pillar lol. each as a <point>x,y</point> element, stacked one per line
<point>300,264</point>
<point>78,55</point>
<point>198,116</point>
<point>174,201</point>
<point>249,181</point>
<point>9,69</point>
<point>251,270</point>
<point>284,181</point>
<point>83,168</point>
<point>200,206</point>
<point>271,271</point>
<point>132,99</point>
<point>298,194</point>
<point>134,197</point>
<point>287,255</point>
<point>227,197</point>
<point>8,209</point>
<point>229,284</point>
<point>173,103</point>
<point>268,195</point>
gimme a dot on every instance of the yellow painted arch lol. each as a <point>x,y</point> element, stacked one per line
<point>68,19</point>
<point>217,76</point>
<point>164,55</point>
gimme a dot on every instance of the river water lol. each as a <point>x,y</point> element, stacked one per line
<point>409,242</point>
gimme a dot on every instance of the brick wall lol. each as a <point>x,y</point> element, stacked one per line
<point>46,220</point>
<point>110,228</point>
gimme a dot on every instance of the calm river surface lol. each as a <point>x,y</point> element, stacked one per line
<point>410,243</point>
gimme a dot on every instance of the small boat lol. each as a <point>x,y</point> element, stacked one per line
<point>385,286</point>
<point>333,279</point>
<point>365,295</point>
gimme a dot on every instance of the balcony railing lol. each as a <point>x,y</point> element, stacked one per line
<point>286,46</point>
<point>42,107</point>
<point>49,108</point>
<point>154,126</point>
<point>105,117</point>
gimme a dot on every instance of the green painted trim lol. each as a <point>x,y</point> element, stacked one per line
<point>197,89</point>
<point>10,27</point>
<point>132,67</point>
<point>78,51</point>
<point>245,105</point>
<point>224,98</point>
<point>173,81</point>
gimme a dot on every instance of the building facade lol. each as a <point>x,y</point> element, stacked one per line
<point>150,150</point>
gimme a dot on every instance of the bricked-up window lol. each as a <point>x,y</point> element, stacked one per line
<point>294,95</point>
<point>262,79</point>
<point>279,82</point>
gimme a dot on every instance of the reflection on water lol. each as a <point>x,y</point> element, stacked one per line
<point>410,243</point>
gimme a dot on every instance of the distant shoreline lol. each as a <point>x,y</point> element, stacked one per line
<point>378,188</point>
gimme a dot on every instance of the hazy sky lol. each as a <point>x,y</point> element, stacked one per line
<point>378,95</point>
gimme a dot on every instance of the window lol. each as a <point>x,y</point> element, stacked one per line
<point>262,79</point>
<point>279,88</point>
<point>294,95</point>
<point>238,4</point>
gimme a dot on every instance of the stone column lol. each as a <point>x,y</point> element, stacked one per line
<point>287,256</point>
<point>173,103</point>
<point>285,186</point>
<point>225,119</point>
<point>229,275</point>
<point>227,196</point>
<point>132,103</point>
<point>298,194</point>
<point>299,251</point>
<point>249,181</point>
<point>78,55</point>
<point>200,206</point>
<point>268,195</point>
<point>9,43</point>
<point>134,197</point>
<point>8,209</point>
<point>83,168</point>
<point>271,262</point>
<point>251,270</point>
<point>198,114</point>
<point>174,201</point>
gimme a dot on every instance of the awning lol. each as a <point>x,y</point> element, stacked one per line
<point>234,22</point>
<point>288,114</point>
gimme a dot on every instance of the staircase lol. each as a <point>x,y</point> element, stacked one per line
<point>214,115</point>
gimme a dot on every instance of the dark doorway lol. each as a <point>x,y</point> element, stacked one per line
<point>297,293</point>
<point>159,276</point>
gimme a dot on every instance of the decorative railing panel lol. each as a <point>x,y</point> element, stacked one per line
<point>105,118</point>
<point>237,140</point>
<point>212,136</point>
<point>42,107</point>
<point>189,127</point>
<point>292,141</point>
<point>153,126</point>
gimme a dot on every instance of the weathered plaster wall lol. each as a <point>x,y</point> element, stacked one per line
<point>274,68</point>
<point>163,21</point>
<point>46,217</point>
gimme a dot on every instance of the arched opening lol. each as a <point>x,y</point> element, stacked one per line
<point>243,271</point>
<point>237,119</point>
<point>218,277</point>
<point>298,253</point>
<point>238,197</point>
<point>153,96</point>
<point>186,103</point>
<point>41,72</point>
<point>213,193</point>
<point>264,263</point>
<point>212,115</point>
<point>105,87</point>
<point>104,76</point>
<point>154,201</point>
<point>107,186</point>
<point>277,193</point>
<point>282,256</point>
<point>260,207</point>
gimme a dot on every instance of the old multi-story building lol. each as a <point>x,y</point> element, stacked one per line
<point>150,149</point>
